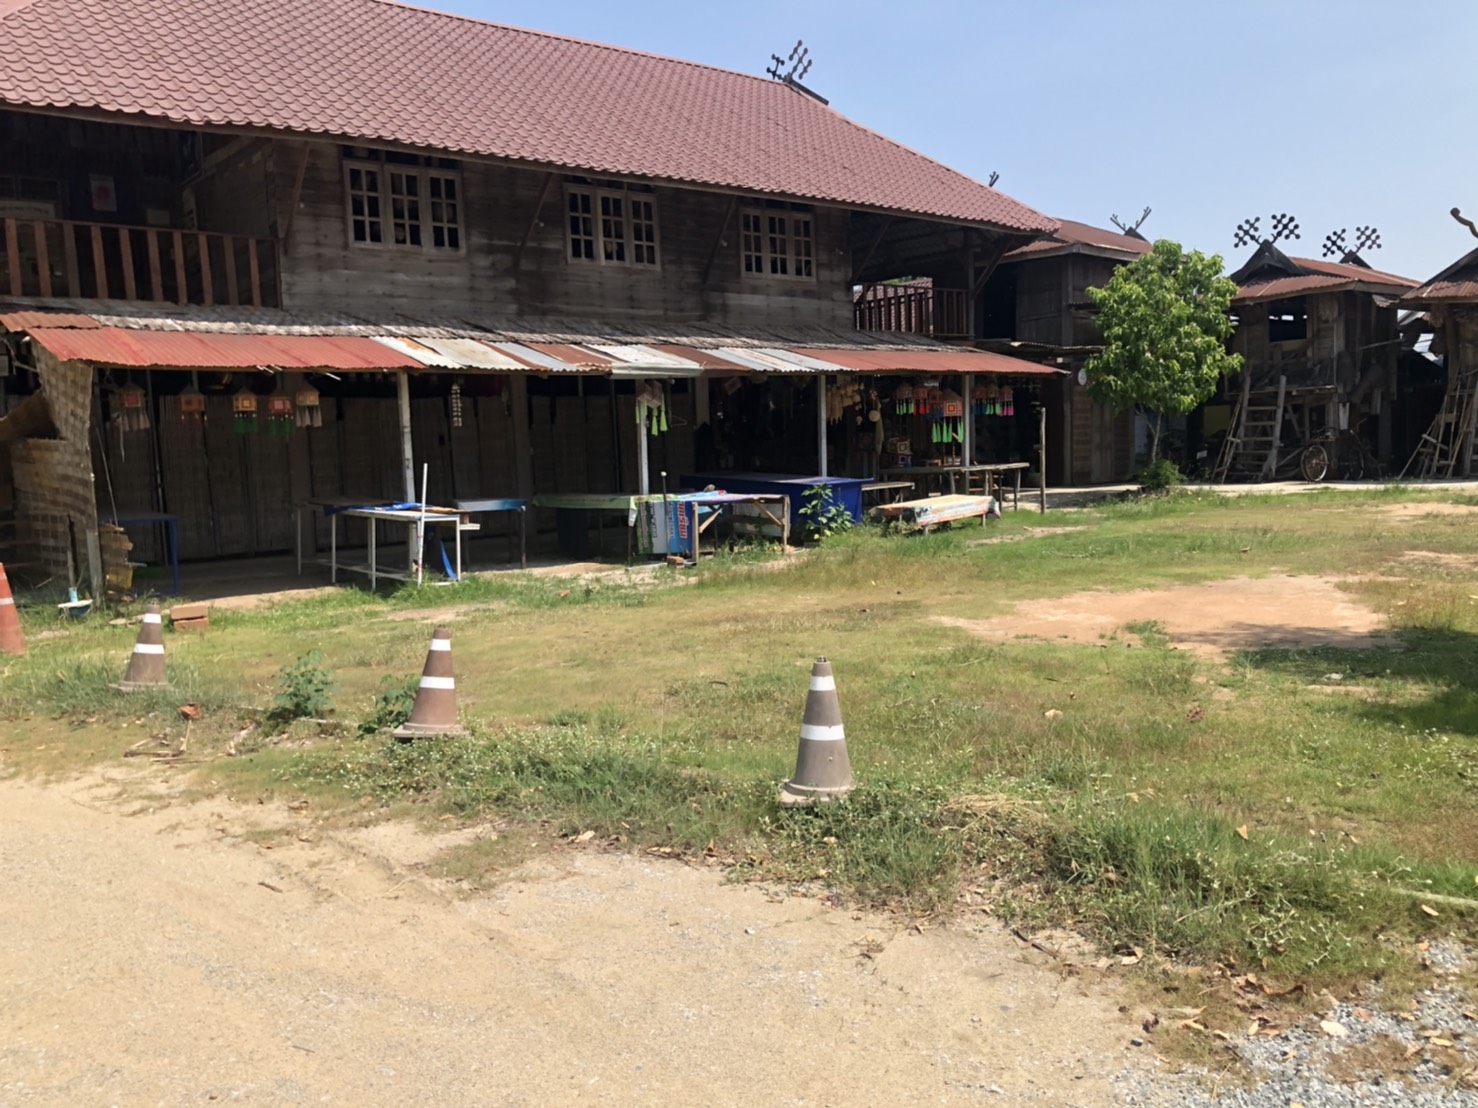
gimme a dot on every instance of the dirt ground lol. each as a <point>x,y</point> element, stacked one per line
<point>1211,619</point>
<point>159,951</point>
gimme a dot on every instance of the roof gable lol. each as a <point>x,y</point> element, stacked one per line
<point>379,71</point>
<point>1072,237</point>
<point>1271,274</point>
<point>1458,282</point>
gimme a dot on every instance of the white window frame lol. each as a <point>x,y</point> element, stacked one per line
<point>424,223</point>
<point>781,253</point>
<point>597,222</point>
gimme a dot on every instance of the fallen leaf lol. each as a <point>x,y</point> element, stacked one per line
<point>1332,1029</point>
<point>1052,713</point>
<point>191,711</point>
<point>1195,713</point>
<point>1427,908</point>
<point>584,836</point>
<point>1242,830</point>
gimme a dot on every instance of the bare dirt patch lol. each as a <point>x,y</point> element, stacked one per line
<point>1446,560</point>
<point>1026,533</point>
<point>1417,510</point>
<point>1211,619</point>
<point>170,959</point>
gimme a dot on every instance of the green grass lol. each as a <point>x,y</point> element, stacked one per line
<point>1257,809</point>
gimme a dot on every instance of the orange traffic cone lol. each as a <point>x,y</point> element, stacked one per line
<point>822,769</point>
<point>146,663</point>
<point>435,710</point>
<point>12,638</point>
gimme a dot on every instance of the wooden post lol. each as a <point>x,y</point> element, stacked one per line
<point>43,258</point>
<point>407,460</point>
<point>821,425</point>
<point>125,257</point>
<point>968,446</point>
<point>99,263</point>
<point>1042,453</point>
<point>13,257</point>
<point>1270,464</point>
<point>643,466</point>
<point>523,463</point>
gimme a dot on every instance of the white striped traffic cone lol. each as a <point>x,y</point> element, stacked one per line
<point>12,638</point>
<point>822,769</point>
<point>435,710</point>
<point>146,663</point>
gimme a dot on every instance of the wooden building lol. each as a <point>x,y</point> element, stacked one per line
<point>1320,348</point>
<point>1449,303</point>
<point>329,244</point>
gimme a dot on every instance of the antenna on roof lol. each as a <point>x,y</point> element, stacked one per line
<point>994,177</point>
<point>1468,223</point>
<point>1284,227</point>
<point>792,68</point>
<point>1138,223</point>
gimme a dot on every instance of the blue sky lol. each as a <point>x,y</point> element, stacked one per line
<point>1341,112</point>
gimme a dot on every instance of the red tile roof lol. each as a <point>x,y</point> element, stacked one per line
<point>380,71</point>
<point>1072,236</point>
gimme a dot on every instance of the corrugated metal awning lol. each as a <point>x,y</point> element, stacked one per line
<point>931,361</point>
<point>197,350</point>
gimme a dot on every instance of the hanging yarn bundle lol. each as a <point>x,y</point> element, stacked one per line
<point>279,414</point>
<point>921,396</point>
<point>306,410</point>
<point>1008,403</point>
<point>977,400</point>
<point>244,412</point>
<point>948,417</point>
<point>840,396</point>
<point>133,409</point>
<point>192,404</point>
<point>651,406</point>
<point>992,399</point>
<point>456,403</point>
<point>903,400</point>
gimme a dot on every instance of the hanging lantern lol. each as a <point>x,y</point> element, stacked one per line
<point>306,410</point>
<point>921,399</point>
<point>279,414</point>
<point>244,412</point>
<point>903,399</point>
<point>977,400</point>
<point>456,403</point>
<point>1008,401</point>
<point>192,405</point>
<point>133,408</point>
<point>992,399</point>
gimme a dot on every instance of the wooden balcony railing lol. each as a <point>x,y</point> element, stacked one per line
<point>914,309</point>
<point>107,261</point>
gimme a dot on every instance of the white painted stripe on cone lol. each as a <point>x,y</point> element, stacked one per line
<point>819,733</point>
<point>152,617</point>
<point>7,600</point>
<point>823,684</point>
<point>438,682</point>
<point>441,644</point>
<point>148,648</point>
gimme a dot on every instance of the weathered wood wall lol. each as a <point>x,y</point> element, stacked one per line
<point>324,271</point>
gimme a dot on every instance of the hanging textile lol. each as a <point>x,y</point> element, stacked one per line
<point>307,411</point>
<point>651,406</point>
<point>244,412</point>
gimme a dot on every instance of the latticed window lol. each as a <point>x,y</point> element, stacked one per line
<point>777,242</point>
<point>395,205</point>
<point>613,226</point>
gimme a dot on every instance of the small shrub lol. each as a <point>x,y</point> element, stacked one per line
<point>1160,475</point>
<point>824,514</point>
<point>304,688</point>
<point>392,705</point>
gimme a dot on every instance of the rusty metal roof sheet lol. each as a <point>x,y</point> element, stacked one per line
<point>1073,237</point>
<point>1457,283</point>
<point>169,350</point>
<point>947,360</point>
<point>386,72</point>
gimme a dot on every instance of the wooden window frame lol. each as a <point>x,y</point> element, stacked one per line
<point>424,224</point>
<point>595,232</point>
<point>798,251</point>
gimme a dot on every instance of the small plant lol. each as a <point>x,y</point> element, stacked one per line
<point>393,705</point>
<point>304,688</point>
<point>1159,475</point>
<point>824,514</point>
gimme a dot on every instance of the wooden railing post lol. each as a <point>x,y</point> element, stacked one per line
<point>125,250</point>
<point>99,263</point>
<point>255,273</point>
<point>182,283</point>
<point>207,286</point>
<point>156,276</point>
<point>43,257</point>
<point>233,296</point>
<point>13,256</point>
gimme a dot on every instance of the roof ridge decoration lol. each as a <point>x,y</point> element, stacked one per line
<point>383,72</point>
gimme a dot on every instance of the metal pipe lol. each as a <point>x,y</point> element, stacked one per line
<point>407,461</point>
<point>644,477</point>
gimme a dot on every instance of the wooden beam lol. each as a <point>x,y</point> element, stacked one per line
<point>43,257</point>
<point>99,264</point>
<point>255,268</point>
<point>987,265</point>
<point>718,239</point>
<point>156,275</point>
<point>69,256</point>
<point>182,284</point>
<point>877,241</point>
<point>533,220</point>
<point>207,282</point>
<point>125,255</point>
<point>295,198</point>
<point>13,256</point>
<point>233,291</point>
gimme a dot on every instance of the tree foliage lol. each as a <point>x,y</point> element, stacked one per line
<point>1165,323</point>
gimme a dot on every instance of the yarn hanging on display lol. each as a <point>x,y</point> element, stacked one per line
<point>306,409</point>
<point>1008,404</point>
<point>133,408</point>
<point>192,405</point>
<point>977,400</point>
<point>992,399</point>
<point>280,414</point>
<point>651,407</point>
<point>244,412</point>
<point>903,400</point>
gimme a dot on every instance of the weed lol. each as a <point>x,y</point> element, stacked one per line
<point>393,704</point>
<point>304,689</point>
<point>824,514</point>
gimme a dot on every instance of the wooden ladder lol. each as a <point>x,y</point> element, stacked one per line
<point>1450,437</point>
<point>1251,450</point>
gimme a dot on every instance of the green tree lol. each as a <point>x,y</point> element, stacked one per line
<point>1165,323</point>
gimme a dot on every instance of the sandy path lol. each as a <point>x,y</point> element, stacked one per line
<point>144,961</point>
<point>1211,619</point>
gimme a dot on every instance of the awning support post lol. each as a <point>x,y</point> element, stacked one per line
<point>643,463</point>
<point>821,425</point>
<point>968,446</point>
<point>407,460</point>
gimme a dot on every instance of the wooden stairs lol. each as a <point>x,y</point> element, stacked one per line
<point>1446,450</point>
<point>1250,451</point>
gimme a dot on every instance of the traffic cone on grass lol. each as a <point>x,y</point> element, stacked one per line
<point>146,663</point>
<point>12,638</point>
<point>822,769</point>
<point>435,710</point>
